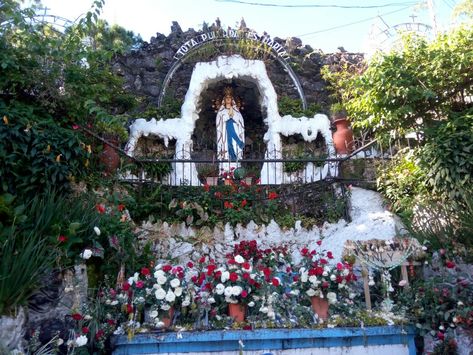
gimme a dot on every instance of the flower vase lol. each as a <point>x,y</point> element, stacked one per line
<point>343,136</point>
<point>109,156</point>
<point>237,311</point>
<point>320,306</point>
<point>167,318</point>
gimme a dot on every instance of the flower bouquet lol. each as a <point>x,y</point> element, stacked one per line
<point>320,280</point>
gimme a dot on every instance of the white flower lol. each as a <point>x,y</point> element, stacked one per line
<point>352,295</point>
<point>160,294</point>
<point>81,340</point>
<point>228,291</point>
<point>424,248</point>
<point>87,317</point>
<point>175,282</point>
<point>225,276</point>
<point>153,314</point>
<point>271,314</point>
<point>460,303</point>
<point>86,254</point>
<point>313,279</point>
<point>186,302</point>
<point>239,259</point>
<point>114,303</point>
<point>170,296</point>
<point>403,283</point>
<point>371,282</point>
<point>332,297</point>
<point>333,277</point>
<point>178,291</point>
<point>295,292</point>
<point>140,300</point>
<point>304,276</point>
<point>219,289</point>
<point>441,327</point>
<point>263,309</point>
<point>59,341</point>
<point>161,279</point>
<point>251,304</point>
<point>236,290</point>
<point>158,323</point>
<point>310,292</point>
<point>97,230</point>
<point>325,274</point>
<point>211,300</point>
<point>165,307</point>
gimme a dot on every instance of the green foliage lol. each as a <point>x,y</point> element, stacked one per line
<point>447,157</point>
<point>35,153</point>
<point>401,181</point>
<point>293,107</point>
<point>170,108</point>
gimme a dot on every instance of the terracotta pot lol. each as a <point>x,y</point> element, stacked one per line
<point>237,311</point>
<point>320,306</point>
<point>109,156</point>
<point>167,319</point>
<point>343,136</point>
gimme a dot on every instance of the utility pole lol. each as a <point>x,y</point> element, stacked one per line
<point>433,19</point>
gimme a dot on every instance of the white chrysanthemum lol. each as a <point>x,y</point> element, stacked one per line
<point>332,297</point>
<point>239,259</point>
<point>310,292</point>
<point>271,315</point>
<point>304,276</point>
<point>295,292</point>
<point>114,303</point>
<point>165,307</point>
<point>97,230</point>
<point>251,304</point>
<point>81,340</point>
<point>161,279</point>
<point>219,289</point>
<point>225,276</point>
<point>325,274</point>
<point>140,300</point>
<point>160,294</point>
<point>175,283</point>
<point>86,254</point>
<point>211,300</point>
<point>313,279</point>
<point>153,314</point>
<point>178,291</point>
<point>236,290</point>
<point>170,296</point>
<point>263,309</point>
<point>228,291</point>
<point>352,295</point>
<point>186,302</point>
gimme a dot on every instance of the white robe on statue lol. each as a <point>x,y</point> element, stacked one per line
<point>223,151</point>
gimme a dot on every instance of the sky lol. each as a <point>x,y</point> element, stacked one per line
<point>322,28</point>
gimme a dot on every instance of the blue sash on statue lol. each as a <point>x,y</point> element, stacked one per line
<point>232,136</point>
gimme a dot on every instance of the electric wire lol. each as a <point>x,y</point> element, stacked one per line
<point>318,5</point>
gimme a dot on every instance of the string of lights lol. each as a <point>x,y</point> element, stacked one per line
<point>319,5</point>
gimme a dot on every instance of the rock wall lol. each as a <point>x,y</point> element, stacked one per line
<point>144,69</point>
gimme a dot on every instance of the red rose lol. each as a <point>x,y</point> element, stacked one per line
<point>450,264</point>
<point>202,259</point>
<point>227,204</point>
<point>140,284</point>
<point>319,242</point>
<point>190,264</point>
<point>218,195</point>
<point>243,203</point>
<point>244,293</point>
<point>246,265</point>
<point>167,268</point>
<point>62,239</point>
<point>85,330</point>
<point>325,284</point>
<point>210,269</point>
<point>233,276</point>
<point>295,278</point>
<point>121,207</point>
<point>441,336</point>
<point>275,282</point>
<point>100,333</point>
<point>304,251</point>
<point>329,255</point>
<point>339,266</point>
<point>129,308</point>
<point>251,282</point>
<point>323,261</point>
<point>76,316</point>
<point>100,208</point>
<point>272,195</point>
<point>246,276</point>
<point>266,271</point>
<point>110,321</point>
<point>206,187</point>
<point>126,286</point>
<point>145,271</point>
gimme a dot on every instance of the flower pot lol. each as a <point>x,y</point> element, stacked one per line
<point>343,136</point>
<point>320,306</point>
<point>167,318</point>
<point>110,157</point>
<point>212,180</point>
<point>237,311</point>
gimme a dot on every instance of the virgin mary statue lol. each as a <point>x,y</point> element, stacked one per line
<point>230,129</point>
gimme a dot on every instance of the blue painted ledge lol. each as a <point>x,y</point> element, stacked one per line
<point>371,340</point>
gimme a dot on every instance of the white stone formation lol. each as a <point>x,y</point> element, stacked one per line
<point>180,129</point>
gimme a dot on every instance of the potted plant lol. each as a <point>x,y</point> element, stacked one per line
<point>208,173</point>
<point>343,136</point>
